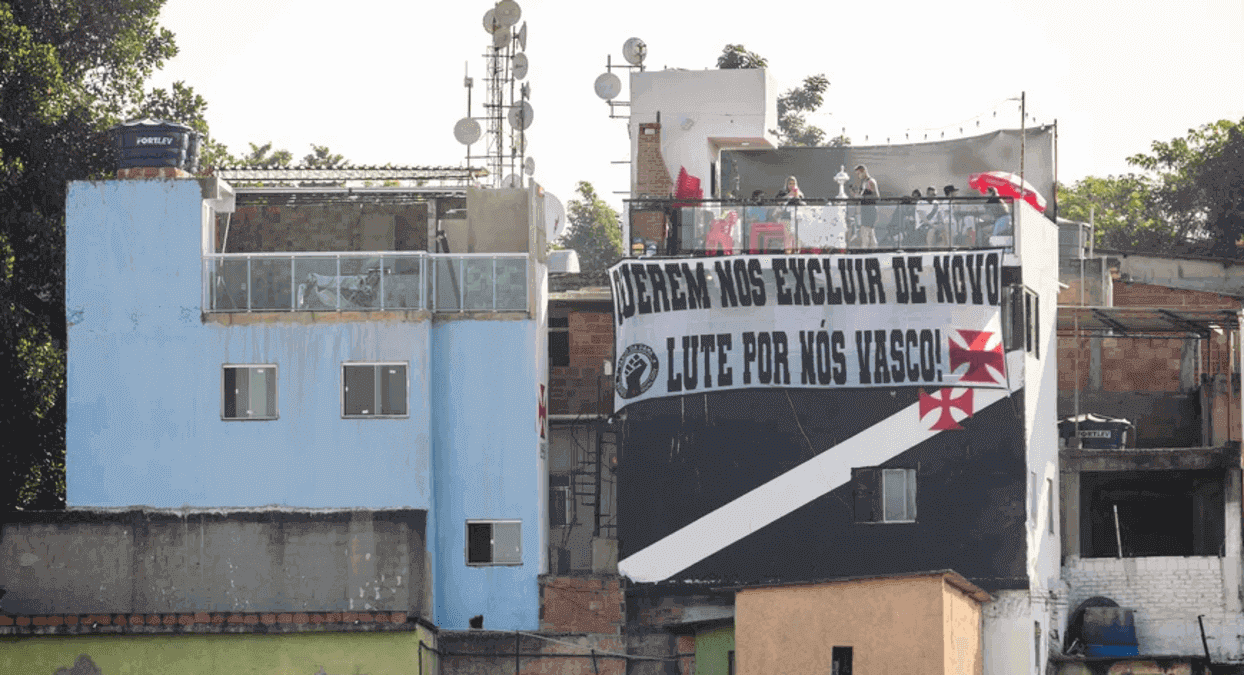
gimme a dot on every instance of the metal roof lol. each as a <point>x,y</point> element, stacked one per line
<point>1145,321</point>
<point>356,173</point>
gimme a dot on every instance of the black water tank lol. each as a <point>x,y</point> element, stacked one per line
<point>1096,432</point>
<point>156,143</point>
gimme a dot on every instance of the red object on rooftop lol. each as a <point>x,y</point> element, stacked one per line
<point>687,186</point>
<point>1008,185</point>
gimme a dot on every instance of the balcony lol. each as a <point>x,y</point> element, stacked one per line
<point>731,226</point>
<point>372,281</point>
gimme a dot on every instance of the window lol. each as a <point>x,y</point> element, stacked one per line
<point>841,664</point>
<point>494,542</point>
<point>559,341</point>
<point>884,495</point>
<point>248,392</point>
<point>559,501</point>
<point>1021,320</point>
<point>1049,503</point>
<point>373,390</point>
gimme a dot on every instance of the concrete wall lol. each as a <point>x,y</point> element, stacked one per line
<point>493,653</point>
<point>247,654</point>
<point>962,648</point>
<point>144,562</point>
<point>487,434</point>
<point>892,625</point>
<point>701,112</point>
<point>1009,634</point>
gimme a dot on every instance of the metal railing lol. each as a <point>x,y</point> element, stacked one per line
<point>373,281</point>
<point>720,226</point>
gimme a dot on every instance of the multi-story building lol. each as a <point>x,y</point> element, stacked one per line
<point>802,414</point>
<point>293,409</point>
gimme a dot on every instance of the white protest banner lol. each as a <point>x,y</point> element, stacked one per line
<point>693,325</point>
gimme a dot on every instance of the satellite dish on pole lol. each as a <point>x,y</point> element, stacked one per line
<point>467,131</point>
<point>634,50</point>
<point>520,66</point>
<point>520,115</point>
<point>608,86</point>
<point>554,217</point>
<point>529,166</point>
<point>507,12</point>
<point>491,24</point>
<point>501,37</point>
<point>522,37</point>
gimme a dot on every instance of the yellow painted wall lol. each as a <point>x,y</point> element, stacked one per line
<point>963,644</point>
<point>892,626</point>
<point>249,654</point>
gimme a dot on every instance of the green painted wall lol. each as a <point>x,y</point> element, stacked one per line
<point>249,654</point>
<point>711,649</point>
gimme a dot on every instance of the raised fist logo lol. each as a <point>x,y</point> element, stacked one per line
<point>637,370</point>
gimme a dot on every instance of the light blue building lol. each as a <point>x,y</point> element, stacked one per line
<point>308,348</point>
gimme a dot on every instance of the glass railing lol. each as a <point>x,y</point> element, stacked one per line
<point>725,227</point>
<point>340,282</point>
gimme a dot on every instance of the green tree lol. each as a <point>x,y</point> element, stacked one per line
<point>1200,185</point>
<point>1123,211</point>
<point>322,158</point>
<point>793,105</point>
<point>69,70</point>
<point>594,231</point>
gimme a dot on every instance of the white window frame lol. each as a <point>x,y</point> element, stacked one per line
<point>909,491</point>
<point>514,558</point>
<point>248,415</point>
<point>378,390</point>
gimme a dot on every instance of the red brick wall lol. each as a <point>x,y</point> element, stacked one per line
<point>652,179</point>
<point>580,387</point>
<point>581,605</point>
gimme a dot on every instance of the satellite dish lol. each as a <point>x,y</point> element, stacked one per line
<point>520,66</point>
<point>554,217</point>
<point>501,37</point>
<point>466,131</point>
<point>507,12</point>
<point>512,181</point>
<point>520,115</point>
<point>608,86</point>
<point>490,22</point>
<point>529,166</point>
<point>634,50</point>
<point>525,90</point>
<point>522,37</point>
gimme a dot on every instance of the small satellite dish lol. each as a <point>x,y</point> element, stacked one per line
<point>491,24</point>
<point>554,216</point>
<point>608,86</point>
<point>512,181</point>
<point>466,131</point>
<point>520,115</point>
<point>507,12</point>
<point>525,90</point>
<point>501,37</point>
<point>529,166</point>
<point>634,50</point>
<point>520,66</point>
<point>522,37</point>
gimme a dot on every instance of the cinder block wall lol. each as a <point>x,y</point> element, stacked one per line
<point>1167,594</point>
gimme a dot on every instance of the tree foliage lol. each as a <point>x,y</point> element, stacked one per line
<point>793,105</point>
<point>594,230</point>
<point>69,70</point>
<point>1189,197</point>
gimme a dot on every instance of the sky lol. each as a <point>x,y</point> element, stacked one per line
<point>381,81</point>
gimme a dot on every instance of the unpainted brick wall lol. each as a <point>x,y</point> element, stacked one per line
<point>581,604</point>
<point>1166,593</point>
<point>581,387</point>
<point>652,179</point>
